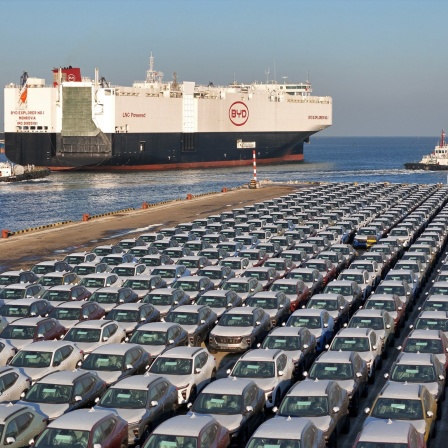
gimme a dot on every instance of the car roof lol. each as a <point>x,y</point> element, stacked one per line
<point>241,310</point>
<point>432,314</point>
<point>425,334</point>
<point>354,332</point>
<point>216,293</point>
<point>286,331</point>
<point>182,352</point>
<point>335,356</point>
<point>309,312</point>
<point>415,359</point>
<point>114,349</point>
<point>370,312</point>
<point>22,302</point>
<point>156,326</point>
<point>326,296</point>
<point>233,385</point>
<point>80,419</point>
<point>64,376</point>
<point>316,387</point>
<point>261,354</point>
<point>76,304</point>
<point>401,390</point>
<point>390,431</point>
<point>46,345</point>
<point>141,382</point>
<point>93,323</point>
<point>7,409</point>
<point>28,321</point>
<point>282,428</point>
<point>130,306</point>
<point>184,425</point>
<point>188,308</point>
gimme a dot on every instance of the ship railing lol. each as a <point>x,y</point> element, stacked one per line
<point>311,99</point>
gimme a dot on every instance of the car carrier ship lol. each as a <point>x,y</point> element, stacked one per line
<point>78,123</point>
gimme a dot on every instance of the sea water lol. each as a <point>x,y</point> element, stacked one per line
<point>67,196</point>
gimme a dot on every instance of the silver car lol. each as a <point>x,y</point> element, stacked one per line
<point>190,369</point>
<point>40,358</point>
<point>13,382</point>
<point>131,315</point>
<point>143,401</point>
<point>20,424</point>
<point>271,369</point>
<point>166,299</point>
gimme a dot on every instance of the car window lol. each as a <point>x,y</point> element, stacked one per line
<point>281,363</point>
<point>209,435</point>
<point>48,326</point>
<point>426,401</point>
<point>249,398</point>
<point>8,380</point>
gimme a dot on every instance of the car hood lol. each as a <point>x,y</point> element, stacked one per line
<point>68,323</point>
<point>316,332</point>
<point>420,425</point>
<point>108,377</point>
<point>36,373</point>
<point>88,347</point>
<point>130,415</point>
<point>231,331</point>
<point>190,329</point>
<point>231,422</point>
<point>19,343</point>
<point>220,311</point>
<point>323,423</point>
<point>128,327</point>
<point>163,309</point>
<point>348,385</point>
<point>267,384</point>
<point>366,356</point>
<point>52,411</point>
<point>153,350</point>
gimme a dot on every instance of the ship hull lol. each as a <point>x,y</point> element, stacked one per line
<point>425,166</point>
<point>153,151</point>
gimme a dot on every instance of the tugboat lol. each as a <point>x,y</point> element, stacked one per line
<point>436,161</point>
<point>16,173</point>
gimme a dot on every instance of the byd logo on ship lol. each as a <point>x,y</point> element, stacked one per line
<point>238,113</point>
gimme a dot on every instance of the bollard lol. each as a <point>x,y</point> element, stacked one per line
<point>85,217</point>
<point>189,196</point>
<point>224,190</point>
<point>145,205</point>
<point>5,233</point>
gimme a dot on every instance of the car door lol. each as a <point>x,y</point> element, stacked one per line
<point>61,357</point>
<point>19,427</point>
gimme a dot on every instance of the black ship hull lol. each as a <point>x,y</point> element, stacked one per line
<point>152,151</point>
<point>425,166</point>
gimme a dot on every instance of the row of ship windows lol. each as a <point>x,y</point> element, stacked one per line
<point>31,128</point>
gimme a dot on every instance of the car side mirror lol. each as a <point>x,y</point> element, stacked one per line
<point>386,375</point>
<point>281,373</point>
<point>411,326</point>
<point>97,445</point>
<point>336,409</point>
<point>171,341</point>
<point>325,325</point>
<point>10,440</point>
<point>129,366</point>
<point>105,338</point>
<point>22,394</point>
<point>429,414</point>
<point>249,409</point>
<point>40,336</point>
<point>441,377</point>
<point>121,301</point>
<point>281,306</point>
<point>97,399</point>
<point>399,347</point>
<point>79,363</point>
<point>306,346</point>
<point>367,410</point>
<point>257,323</point>
<point>78,398</point>
<point>228,371</point>
<point>275,409</point>
<point>388,326</point>
<point>305,374</point>
<point>197,370</point>
<point>176,302</point>
<point>154,403</point>
<point>358,374</point>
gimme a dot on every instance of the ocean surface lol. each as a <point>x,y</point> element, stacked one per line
<point>67,196</point>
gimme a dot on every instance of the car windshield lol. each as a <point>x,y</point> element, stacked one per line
<point>66,313</point>
<point>170,441</point>
<point>74,259</point>
<point>250,255</point>
<point>103,361</point>
<point>84,270</point>
<point>137,284</point>
<point>9,279</point>
<point>413,373</point>
<point>42,269</point>
<point>259,275</point>
<point>382,444</point>
<point>36,359</point>
<point>57,296</point>
<point>283,342</point>
<point>214,274</point>
<point>150,261</point>
<point>305,321</point>
<point>89,282</point>
<point>377,323</point>
<point>287,289</point>
<point>51,281</point>
<point>171,366</point>
<point>265,442</point>
<point>400,277</point>
<point>124,272</point>
<point>236,264</point>
<point>212,301</point>
<point>236,320</point>
<point>265,303</point>
<point>305,276</point>
<point>12,294</point>
<point>336,289</point>
<point>306,406</point>
<point>14,310</point>
<point>49,393</point>
<point>138,252</point>
<point>148,337</point>
<point>182,318</point>
<point>359,344</point>
<point>373,304</point>
<point>414,345</point>
<point>186,286</point>
<point>358,278</point>
<point>218,404</point>
<point>443,290</point>
<point>104,297</point>
<point>254,369</point>
<point>83,335</point>
<point>124,315</point>
<point>18,332</point>
<point>397,409</point>
<point>329,305</point>
<point>158,299</point>
<point>426,323</point>
<point>63,438</point>
<point>237,287</point>
<point>164,272</point>
<point>331,371</point>
<point>398,290</point>
<point>124,398</point>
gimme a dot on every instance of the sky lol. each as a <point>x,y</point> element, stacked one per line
<point>384,62</point>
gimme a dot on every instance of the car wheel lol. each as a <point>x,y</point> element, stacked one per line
<point>354,410</point>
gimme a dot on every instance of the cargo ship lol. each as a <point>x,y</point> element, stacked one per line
<point>436,161</point>
<point>78,123</point>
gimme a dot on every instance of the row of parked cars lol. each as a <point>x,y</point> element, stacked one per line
<point>292,271</point>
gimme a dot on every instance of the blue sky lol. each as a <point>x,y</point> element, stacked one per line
<point>384,62</point>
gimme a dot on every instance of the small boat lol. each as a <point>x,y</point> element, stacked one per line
<point>14,173</point>
<point>436,161</point>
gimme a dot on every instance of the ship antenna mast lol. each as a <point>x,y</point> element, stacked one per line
<point>153,76</point>
<point>266,72</point>
<point>442,139</point>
